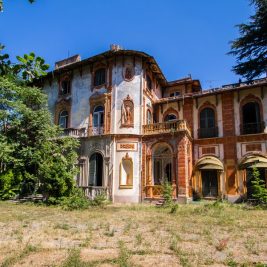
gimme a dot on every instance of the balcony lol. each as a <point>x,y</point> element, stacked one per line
<point>252,128</point>
<point>74,132</point>
<point>208,132</point>
<point>166,127</point>
<point>96,130</point>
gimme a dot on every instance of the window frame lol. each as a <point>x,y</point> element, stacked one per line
<point>100,116</point>
<point>66,117</point>
<point>103,79</point>
<point>65,79</point>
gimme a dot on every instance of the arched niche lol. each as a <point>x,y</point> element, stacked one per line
<point>126,172</point>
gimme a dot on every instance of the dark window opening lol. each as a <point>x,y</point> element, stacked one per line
<point>95,170</point>
<point>148,83</point>
<point>65,87</point>
<point>100,77</point>
<point>251,119</point>
<point>207,124</point>
<point>174,94</point>
<point>209,183</point>
<point>170,117</point>
<point>168,171</point>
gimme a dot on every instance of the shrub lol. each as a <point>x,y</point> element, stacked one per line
<point>259,191</point>
<point>174,208</point>
<point>100,200</point>
<point>76,200</point>
<point>9,185</point>
<point>167,193</point>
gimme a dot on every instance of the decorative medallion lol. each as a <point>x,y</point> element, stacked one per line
<point>128,73</point>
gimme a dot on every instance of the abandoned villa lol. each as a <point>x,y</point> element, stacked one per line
<point>137,130</point>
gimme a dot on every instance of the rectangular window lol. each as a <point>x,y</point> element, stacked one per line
<point>100,77</point>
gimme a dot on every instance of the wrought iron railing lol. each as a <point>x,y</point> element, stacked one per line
<point>208,132</point>
<point>252,128</point>
<point>166,127</point>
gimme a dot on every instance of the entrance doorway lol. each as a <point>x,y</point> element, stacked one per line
<point>209,183</point>
<point>96,170</point>
<point>162,165</point>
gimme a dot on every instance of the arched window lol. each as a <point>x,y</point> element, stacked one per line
<point>149,117</point>
<point>207,123</point>
<point>98,116</point>
<point>170,117</point>
<point>63,119</point>
<point>65,86</point>
<point>148,83</point>
<point>251,118</point>
<point>100,77</point>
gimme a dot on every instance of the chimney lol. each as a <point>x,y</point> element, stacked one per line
<point>67,61</point>
<point>115,47</point>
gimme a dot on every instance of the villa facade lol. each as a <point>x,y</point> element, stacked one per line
<point>137,130</point>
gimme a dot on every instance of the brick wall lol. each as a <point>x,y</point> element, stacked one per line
<point>229,141</point>
<point>188,112</point>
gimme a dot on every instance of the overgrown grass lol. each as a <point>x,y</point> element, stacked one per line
<point>208,233</point>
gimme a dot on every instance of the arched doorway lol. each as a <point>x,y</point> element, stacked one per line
<point>96,170</point>
<point>209,168</point>
<point>162,164</point>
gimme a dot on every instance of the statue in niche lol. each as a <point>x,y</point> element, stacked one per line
<point>127,114</point>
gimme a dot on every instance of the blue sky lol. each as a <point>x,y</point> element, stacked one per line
<point>184,36</point>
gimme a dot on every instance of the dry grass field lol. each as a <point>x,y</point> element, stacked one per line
<point>133,235</point>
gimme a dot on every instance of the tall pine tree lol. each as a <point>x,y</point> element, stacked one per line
<point>250,48</point>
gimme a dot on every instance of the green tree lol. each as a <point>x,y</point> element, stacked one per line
<point>5,63</point>
<point>30,67</point>
<point>250,49</point>
<point>259,190</point>
<point>31,147</point>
